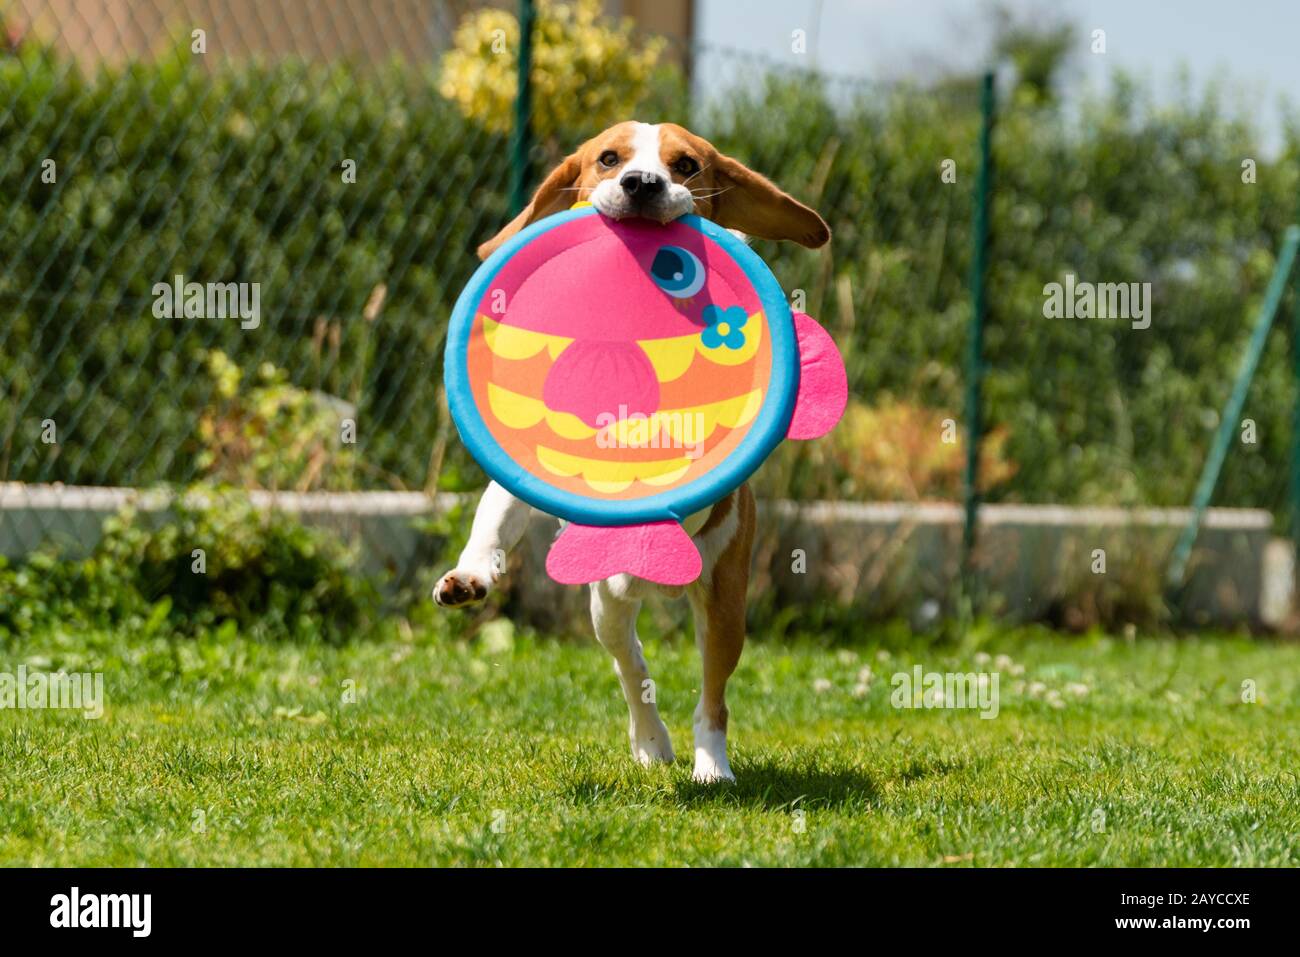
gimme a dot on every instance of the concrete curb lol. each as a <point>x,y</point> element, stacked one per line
<point>887,558</point>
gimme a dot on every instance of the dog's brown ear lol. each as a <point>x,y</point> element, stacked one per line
<point>754,205</point>
<point>551,197</point>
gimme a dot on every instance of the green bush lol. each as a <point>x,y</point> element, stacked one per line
<point>263,573</point>
<point>1126,191</point>
<point>228,175</point>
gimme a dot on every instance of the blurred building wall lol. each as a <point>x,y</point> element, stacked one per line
<point>371,30</point>
<point>671,18</point>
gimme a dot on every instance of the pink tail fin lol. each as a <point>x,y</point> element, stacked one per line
<point>823,383</point>
<point>660,552</point>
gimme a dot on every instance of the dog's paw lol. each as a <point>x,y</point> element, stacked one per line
<point>709,771</point>
<point>711,765</point>
<point>652,746</point>
<point>457,589</point>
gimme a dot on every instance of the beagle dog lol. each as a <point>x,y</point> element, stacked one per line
<point>659,172</point>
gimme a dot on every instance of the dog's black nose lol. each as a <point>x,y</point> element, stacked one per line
<point>642,187</point>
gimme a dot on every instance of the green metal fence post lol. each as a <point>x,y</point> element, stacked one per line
<point>521,143</point>
<point>1231,417</point>
<point>975,341</point>
<point>1295,408</point>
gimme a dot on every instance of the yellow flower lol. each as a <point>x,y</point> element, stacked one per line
<point>571,42</point>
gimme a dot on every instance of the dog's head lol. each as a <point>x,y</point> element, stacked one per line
<point>661,172</point>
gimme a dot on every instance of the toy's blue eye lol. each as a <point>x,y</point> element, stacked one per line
<point>677,272</point>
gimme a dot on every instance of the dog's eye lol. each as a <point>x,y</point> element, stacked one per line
<point>677,272</point>
<point>609,158</point>
<point>686,166</point>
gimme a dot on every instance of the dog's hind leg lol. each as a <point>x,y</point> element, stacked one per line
<point>614,606</point>
<point>499,522</point>
<point>718,607</point>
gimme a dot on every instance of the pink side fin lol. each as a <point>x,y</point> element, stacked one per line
<point>823,383</point>
<point>660,552</point>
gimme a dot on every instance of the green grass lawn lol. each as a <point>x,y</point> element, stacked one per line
<point>506,749</point>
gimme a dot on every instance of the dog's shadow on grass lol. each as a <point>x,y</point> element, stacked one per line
<point>763,783</point>
<point>772,785</point>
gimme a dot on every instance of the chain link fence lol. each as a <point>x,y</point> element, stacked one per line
<point>318,158</point>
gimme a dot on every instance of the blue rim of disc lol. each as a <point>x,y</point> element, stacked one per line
<point>766,432</point>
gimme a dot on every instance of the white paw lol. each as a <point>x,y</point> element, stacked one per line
<point>711,770</point>
<point>652,746</point>
<point>711,765</point>
<point>458,588</point>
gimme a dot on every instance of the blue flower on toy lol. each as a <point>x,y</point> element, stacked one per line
<point>724,327</point>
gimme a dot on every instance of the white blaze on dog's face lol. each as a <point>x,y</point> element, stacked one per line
<point>663,171</point>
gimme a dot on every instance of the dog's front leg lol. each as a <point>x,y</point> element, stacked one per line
<point>499,522</point>
<point>613,613</point>
<point>718,606</point>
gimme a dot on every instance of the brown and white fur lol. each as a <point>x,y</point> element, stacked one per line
<point>657,172</point>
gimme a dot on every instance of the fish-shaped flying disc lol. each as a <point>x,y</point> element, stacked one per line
<point>624,374</point>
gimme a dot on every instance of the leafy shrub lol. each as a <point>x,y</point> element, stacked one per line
<point>274,435</point>
<point>232,174</point>
<point>572,43</point>
<point>262,572</point>
<point>897,451</point>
